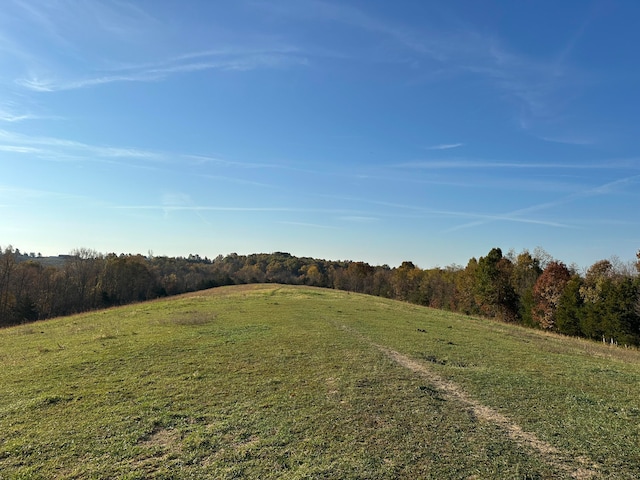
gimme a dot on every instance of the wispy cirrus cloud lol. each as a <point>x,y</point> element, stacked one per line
<point>12,111</point>
<point>419,210</point>
<point>319,10</point>
<point>225,208</point>
<point>482,164</point>
<point>359,219</point>
<point>206,159</point>
<point>20,193</point>
<point>22,149</point>
<point>240,61</point>
<point>570,140</point>
<point>239,181</point>
<point>14,118</point>
<point>537,87</point>
<point>63,149</point>
<point>519,215</point>
<point>444,146</point>
<point>307,224</point>
<point>100,43</point>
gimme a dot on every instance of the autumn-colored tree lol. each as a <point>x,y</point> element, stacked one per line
<point>406,280</point>
<point>250,274</point>
<point>314,276</point>
<point>465,299</point>
<point>595,280</point>
<point>382,284</point>
<point>360,277</point>
<point>438,287</point>
<point>547,292</point>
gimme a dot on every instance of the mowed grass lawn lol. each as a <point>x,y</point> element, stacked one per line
<point>268,381</point>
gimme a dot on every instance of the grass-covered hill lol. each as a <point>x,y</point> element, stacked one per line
<point>266,381</point>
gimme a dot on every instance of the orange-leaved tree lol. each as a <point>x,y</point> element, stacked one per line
<point>547,292</point>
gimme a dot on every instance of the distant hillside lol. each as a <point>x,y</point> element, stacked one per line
<point>532,290</point>
<point>272,382</point>
<point>57,261</point>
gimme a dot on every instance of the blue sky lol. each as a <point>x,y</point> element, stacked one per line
<point>380,131</point>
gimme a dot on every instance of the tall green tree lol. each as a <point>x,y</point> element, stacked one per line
<point>525,273</point>
<point>494,293</point>
<point>570,308</point>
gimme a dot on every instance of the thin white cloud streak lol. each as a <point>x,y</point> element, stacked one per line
<point>14,112</point>
<point>469,164</point>
<point>610,187</point>
<point>230,163</point>
<point>359,219</point>
<point>536,87</point>
<point>235,209</point>
<point>59,21</point>
<point>22,149</point>
<point>603,189</point>
<point>576,36</point>
<point>491,182</point>
<point>445,146</point>
<point>569,140</point>
<point>457,50</point>
<point>285,166</point>
<point>315,10</point>
<point>78,28</point>
<point>12,118</point>
<point>43,22</point>
<point>239,181</point>
<point>452,213</point>
<point>175,201</point>
<point>229,52</point>
<point>144,74</point>
<point>504,218</point>
<point>311,225</point>
<point>62,148</point>
<point>20,193</point>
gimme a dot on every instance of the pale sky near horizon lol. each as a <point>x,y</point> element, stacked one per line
<point>373,130</point>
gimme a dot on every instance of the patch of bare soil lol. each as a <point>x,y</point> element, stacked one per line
<point>164,444</point>
<point>164,438</point>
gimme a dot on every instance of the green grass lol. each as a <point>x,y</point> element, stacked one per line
<point>291,382</point>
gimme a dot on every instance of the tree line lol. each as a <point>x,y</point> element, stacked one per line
<point>531,289</point>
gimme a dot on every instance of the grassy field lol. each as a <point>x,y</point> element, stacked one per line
<point>285,382</point>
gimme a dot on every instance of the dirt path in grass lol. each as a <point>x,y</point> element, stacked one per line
<point>554,457</point>
<point>577,467</point>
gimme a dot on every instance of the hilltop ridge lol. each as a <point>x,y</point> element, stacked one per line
<point>273,381</point>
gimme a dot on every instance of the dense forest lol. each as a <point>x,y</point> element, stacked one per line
<point>535,290</point>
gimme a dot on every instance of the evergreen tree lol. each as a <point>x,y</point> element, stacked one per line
<point>570,308</point>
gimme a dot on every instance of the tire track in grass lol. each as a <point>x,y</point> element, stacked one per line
<point>561,461</point>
